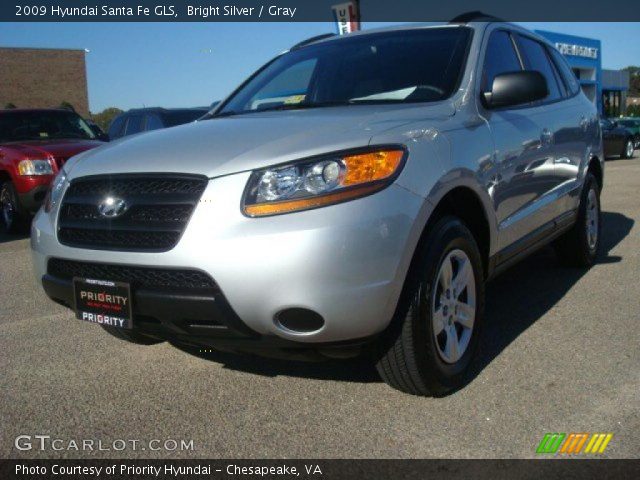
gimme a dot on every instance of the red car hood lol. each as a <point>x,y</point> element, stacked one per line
<point>59,149</point>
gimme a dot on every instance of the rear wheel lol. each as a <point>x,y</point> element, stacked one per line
<point>433,340</point>
<point>12,220</point>
<point>627,150</point>
<point>131,336</point>
<point>579,246</point>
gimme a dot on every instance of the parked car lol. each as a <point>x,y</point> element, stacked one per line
<point>617,139</point>
<point>34,145</point>
<point>363,211</point>
<point>633,125</point>
<point>97,131</point>
<point>146,119</point>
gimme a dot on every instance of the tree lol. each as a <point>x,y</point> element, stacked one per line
<point>10,106</point>
<point>104,118</point>
<point>634,80</point>
<point>633,111</point>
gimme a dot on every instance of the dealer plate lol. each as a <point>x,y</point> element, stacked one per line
<point>103,301</point>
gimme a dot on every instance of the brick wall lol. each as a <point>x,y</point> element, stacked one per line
<point>42,78</point>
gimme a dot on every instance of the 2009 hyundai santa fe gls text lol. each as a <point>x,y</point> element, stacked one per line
<point>353,195</point>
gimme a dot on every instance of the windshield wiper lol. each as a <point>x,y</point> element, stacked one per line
<point>304,105</point>
<point>228,113</point>
<point>300,106</point>
<point>284,106</point>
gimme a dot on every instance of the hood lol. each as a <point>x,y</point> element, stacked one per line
<point>222,146</point>
<point>60,149</point>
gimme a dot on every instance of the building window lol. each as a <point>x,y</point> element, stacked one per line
<point>612,103</point>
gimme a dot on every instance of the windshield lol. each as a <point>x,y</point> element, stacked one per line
<point>630,123</point>
<point>421,65</point>
<point>42,125</point>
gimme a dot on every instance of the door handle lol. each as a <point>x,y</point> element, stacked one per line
<point>546,137</point>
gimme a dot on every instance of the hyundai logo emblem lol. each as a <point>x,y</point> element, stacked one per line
<point>112,207</point>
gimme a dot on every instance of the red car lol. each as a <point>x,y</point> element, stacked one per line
<point>34,144</point>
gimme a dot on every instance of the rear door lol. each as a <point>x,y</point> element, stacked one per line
<point>575,127</point>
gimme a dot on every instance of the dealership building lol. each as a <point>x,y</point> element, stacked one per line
<point>607,89</point>
<point>43,78</point>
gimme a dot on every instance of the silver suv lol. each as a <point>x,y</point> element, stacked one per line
<point>352,196</point>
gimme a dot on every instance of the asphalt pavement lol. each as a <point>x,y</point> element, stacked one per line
<point>560,354</point>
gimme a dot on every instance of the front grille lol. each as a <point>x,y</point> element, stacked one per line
<point>138,277</point>
<point>158,210</point>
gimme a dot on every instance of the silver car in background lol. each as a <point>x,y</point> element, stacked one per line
<point>352,197</point>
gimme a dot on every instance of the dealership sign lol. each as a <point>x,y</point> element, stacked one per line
<point>347,17</point>
<point>577,50</point>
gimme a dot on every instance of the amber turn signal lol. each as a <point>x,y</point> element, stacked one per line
<point>370,167</point>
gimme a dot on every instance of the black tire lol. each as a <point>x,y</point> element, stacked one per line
<point>12,219</point>
<point>408,357</point>
<point>131,336</point>
<point>627,147</point>
<point>573,247</point>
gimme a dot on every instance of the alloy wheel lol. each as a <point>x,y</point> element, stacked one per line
<point>453,306</point>
<point>592,219</point>
<point>629,149</point>
<point>7,209</point>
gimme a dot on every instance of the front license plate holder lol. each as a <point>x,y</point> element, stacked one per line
<point>103,301</point>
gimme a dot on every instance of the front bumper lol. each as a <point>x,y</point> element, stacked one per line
<point>30,201</point>
<point>345,262</point>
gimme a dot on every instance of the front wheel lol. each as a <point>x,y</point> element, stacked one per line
<point>11,219</point>
<point>433,339</point>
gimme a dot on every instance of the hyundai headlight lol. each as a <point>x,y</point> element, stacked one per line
<point>321,181</point>
<point>55,191</point>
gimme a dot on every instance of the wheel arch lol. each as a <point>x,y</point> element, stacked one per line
<point>466,204</point>
<point>595,167</point>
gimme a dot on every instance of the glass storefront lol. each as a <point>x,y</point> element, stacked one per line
<point>612,103</point>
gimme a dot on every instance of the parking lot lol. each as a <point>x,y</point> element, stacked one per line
<point>560,354</point>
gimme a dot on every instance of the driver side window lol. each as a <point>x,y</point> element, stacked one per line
<point>500,57</point>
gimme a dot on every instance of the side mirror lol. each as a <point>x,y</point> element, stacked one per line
<point>516,88</point>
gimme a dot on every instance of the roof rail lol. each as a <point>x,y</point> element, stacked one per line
<point>475,16</point>
<point>312,39</point>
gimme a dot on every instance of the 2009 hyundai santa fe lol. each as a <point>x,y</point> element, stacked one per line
<point>353,195</point>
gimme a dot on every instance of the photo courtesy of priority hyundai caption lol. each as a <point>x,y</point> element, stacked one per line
<point>352,197</point>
